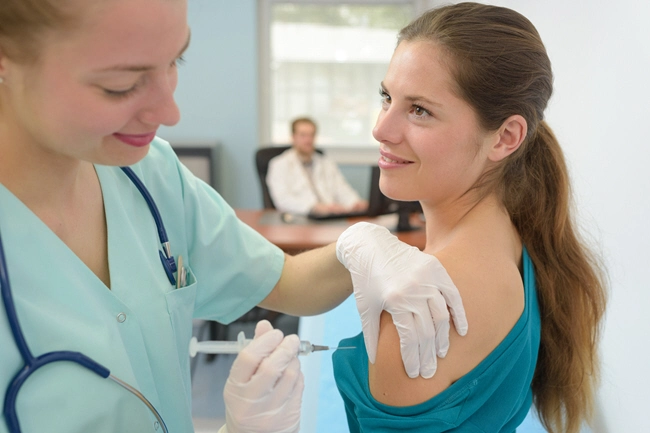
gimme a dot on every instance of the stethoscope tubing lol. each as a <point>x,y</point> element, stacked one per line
<point>33,363</point>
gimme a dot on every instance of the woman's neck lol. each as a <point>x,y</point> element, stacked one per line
<point>444,223</point>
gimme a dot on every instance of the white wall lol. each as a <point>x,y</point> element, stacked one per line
<point>217,93</point>
<point>600,111</point>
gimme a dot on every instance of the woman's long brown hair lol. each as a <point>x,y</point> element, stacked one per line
<point>501,68</point>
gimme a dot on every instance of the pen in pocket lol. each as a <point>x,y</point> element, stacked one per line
<point>181,274</point>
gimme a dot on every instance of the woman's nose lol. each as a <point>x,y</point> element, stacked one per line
<point>387,129</point>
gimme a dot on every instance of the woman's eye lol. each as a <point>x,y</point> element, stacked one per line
<point>385,97</point>
<point>419,111</point>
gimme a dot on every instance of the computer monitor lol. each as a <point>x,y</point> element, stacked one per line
<point>379,204</point>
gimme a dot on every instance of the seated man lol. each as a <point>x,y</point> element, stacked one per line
<point>302,181</point>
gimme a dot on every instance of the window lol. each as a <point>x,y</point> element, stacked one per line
<point>326,60</point>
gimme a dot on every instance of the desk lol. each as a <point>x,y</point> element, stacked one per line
<point>301,235</point>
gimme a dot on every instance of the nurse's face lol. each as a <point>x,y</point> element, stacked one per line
<point>432,147</point>
<point>100,91</point>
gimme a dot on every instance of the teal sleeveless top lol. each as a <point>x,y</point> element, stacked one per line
<point>493,397</point>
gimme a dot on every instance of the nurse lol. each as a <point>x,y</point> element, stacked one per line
<point>84,85</point>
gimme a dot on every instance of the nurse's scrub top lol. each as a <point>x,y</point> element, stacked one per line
<point>494,396</point>
<point>140,329</point>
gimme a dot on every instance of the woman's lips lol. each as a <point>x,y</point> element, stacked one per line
<point>137,140</point>
<point>395,161</point>
<point>387,160</point>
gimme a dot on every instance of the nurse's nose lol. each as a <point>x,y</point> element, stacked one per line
<point>161,108</point>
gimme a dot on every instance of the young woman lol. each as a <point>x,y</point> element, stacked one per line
<point>462,130</point>
<point>84,86</point>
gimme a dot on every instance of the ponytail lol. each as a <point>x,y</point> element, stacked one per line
<point>536,193</point>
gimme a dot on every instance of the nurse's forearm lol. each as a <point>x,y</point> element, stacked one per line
<point>311,283</point>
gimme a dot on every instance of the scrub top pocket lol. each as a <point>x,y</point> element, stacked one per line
<point>180,306</point>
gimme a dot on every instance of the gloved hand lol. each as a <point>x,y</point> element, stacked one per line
<point>412,286</point>
<point>263,393</point>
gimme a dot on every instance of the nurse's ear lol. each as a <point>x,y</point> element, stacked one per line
<point>508,138</point>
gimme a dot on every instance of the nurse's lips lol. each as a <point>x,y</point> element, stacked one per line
<point>137,140</point>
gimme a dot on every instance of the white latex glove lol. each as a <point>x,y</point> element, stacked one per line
<point>263,393</point>
<point>412,286</point>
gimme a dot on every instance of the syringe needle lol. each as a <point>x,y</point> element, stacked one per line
<point>317,348</point>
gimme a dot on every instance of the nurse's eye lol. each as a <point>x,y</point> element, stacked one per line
<point>121,93</point>
<point>178,61</point>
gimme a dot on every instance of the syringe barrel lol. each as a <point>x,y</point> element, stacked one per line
<point>234,347</point>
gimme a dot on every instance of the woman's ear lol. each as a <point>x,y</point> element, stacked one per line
<point>3,63</point>
<point>509,137</point>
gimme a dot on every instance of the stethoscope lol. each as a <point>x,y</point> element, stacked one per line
<point>33,363</point>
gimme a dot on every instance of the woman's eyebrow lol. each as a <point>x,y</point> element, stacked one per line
<point>413,98</point>
<point>422,99</point>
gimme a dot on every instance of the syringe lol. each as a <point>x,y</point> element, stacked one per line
<point>215,347</point>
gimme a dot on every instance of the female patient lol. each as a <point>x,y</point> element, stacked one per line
<point>462,130</point>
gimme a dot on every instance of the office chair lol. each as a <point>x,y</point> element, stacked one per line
<point>262,158</point>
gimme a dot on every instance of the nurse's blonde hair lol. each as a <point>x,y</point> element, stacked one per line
<point>24,24</point>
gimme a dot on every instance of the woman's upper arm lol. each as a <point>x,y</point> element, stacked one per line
<point>389,383</point>
<point>493,303</point>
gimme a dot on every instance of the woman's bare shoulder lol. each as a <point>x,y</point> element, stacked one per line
<point>490,284</point>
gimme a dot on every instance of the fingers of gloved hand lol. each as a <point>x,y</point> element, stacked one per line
<point>452,297</point>
<point>460,319</point>
<point>292,402</point>
<point>249,359</point>
<point>370,327</point>
<point>408,340</point>
<point>369,312</point>
<point>426,334</point>
<point>440,316</point>
<point>273,367</point>
<point>262,327</point>
<point>289,383</point>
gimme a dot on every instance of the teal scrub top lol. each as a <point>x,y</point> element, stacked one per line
<point>140,329</point>
<point>493,397</point>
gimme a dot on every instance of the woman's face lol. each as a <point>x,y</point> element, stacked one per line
<point>99,92</point>
<point>432,148</point>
